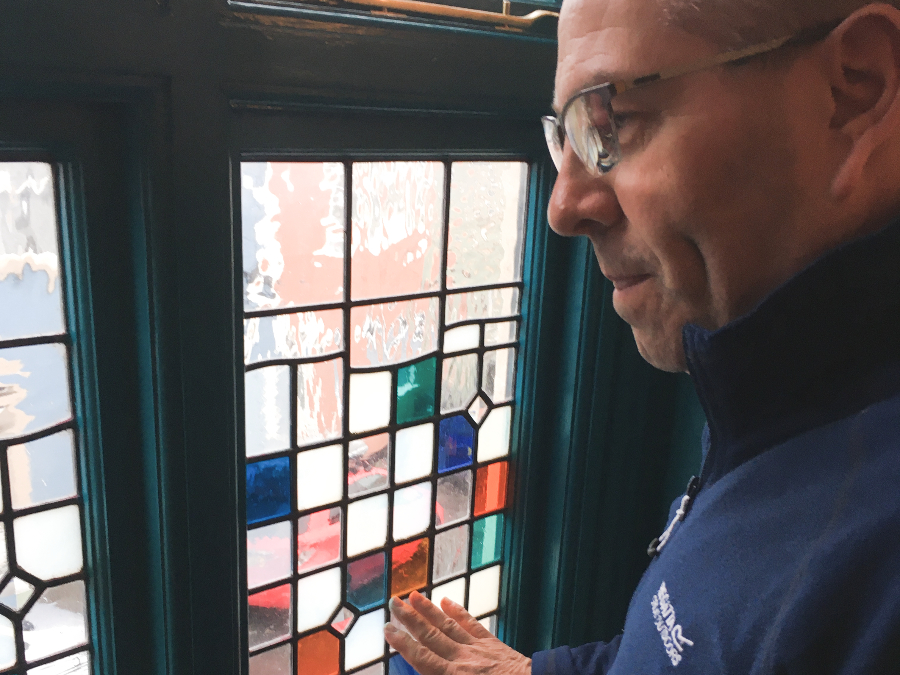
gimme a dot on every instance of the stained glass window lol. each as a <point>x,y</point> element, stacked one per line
<point>379,398</point>
<point>43,610</point>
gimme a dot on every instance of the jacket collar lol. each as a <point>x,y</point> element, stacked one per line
<point>822,347</point>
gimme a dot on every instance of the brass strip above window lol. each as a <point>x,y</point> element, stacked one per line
<point>506,19</point>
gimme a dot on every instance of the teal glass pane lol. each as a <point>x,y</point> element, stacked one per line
<point>366,582</point>
<point>487,540</point>
<point>268,489</point>
<point>415,391</point>
<point>456,438</point>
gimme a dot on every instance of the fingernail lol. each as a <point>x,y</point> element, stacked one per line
<point>390,629</point>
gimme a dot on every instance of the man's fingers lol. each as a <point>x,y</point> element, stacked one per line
<point>425,661</point>
<point>439,619</point>
<point>468,622</point>
<point>423,631</point>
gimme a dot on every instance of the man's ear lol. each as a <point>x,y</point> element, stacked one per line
<point>865,78</point>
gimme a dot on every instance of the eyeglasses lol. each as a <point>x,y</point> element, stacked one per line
<point>588,122</point>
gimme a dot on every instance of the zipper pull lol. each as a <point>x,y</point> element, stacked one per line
<point>693,487</point>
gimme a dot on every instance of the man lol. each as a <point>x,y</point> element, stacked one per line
<point>744,203</point>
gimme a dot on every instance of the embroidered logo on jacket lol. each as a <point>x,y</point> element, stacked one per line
<point>666,624</point>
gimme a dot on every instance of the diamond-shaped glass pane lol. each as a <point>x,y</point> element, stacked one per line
<point>16,593</point>
<point>343,620</point>
<point>478,409</point>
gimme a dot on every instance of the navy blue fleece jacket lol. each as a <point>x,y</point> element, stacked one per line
<point>788,559</point>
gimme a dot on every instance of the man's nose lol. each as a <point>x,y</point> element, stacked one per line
<point>581,202</point>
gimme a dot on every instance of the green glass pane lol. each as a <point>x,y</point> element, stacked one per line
<point>487,537</point>
<point>415,391</point>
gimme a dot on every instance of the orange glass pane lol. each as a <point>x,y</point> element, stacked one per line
<point>490,487</point>
<point>318,654</point>
<point>409,567</point>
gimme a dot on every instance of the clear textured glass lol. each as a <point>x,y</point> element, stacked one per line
<point>48,543</point>
<point>320,476</point>
<point>30,292</point>
<point>500,333</point>
<point>58,621</point>
<point>269,616</point>
<point>490,622</point>
<point>34,389</point>
<point>394,332</point>
<point>7,643</point>
<point>319,539</point>
<point>459,382</point>
<point>293,336</point>
<point>4,562</point>
<point>494,304</point>
<point>343,620</point>
<point>412,510</point>
<point>318,596</point>
<point>487,223</point>
<point>273,662</point>
<point>415,391</point>
<point>454,590</point>
<point>42,471</point>
<point>450,551</point>
<point>268,554</point>
<point>455,441</point>
<point>493,436</point>
<point>409,567</point>
<point>318,654</point>
<point>397,228</point>
<point>268,489</point>
<point>370,401</point>
<point>487,540</point>
<point>490,487</point>
<point>16,593</point>
<point>365,641</point>
<point>462,339</point>
<point>367,522</point>
<point>414,453</point>
<point>320,401</point>
<point>368,467</point>
<point>76,664</point>
<point>454,496</point>
<point>267,410</point>
<point>374,669</point>
<point>498,378</point>
<point>478,410</point>
<point>366,580</point>
<point>484,591</point>
<point>292,216</point>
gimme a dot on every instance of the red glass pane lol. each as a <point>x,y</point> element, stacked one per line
<point>490,487</point>
<point>409,567</point>
<point>318,539</point>
<point>318,654</point>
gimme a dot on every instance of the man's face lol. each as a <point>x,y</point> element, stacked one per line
<point>697,223</point>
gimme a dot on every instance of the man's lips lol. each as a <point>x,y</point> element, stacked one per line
<point>623,283</point>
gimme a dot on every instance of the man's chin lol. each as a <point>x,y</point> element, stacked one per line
<point>664,354</point>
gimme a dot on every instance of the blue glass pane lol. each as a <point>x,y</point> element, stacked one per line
<point>268,489</point>
<point>455,446</point>
<point>400,666</point>
<point>365,582</point>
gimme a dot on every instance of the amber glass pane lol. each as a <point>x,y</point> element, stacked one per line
<point>490,487</point>
<point>318,654</point>
<point>409,567</point>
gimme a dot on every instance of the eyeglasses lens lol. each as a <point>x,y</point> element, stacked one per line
<point>592,133</point>
<point>554,134</point>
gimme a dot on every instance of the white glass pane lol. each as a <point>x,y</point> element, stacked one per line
<point>34,389</point>
<point>412,510</point>
<point>365,641</point>
<point>42,471</point>
<point>493,436</point>
<point>77,664</point>
<point>397,228</point>
<point>16,593</point>
<point>320,401</point>
<point>499,375</point>
<point>484,591</point>
<point>291,336</point>
<point>7,643</point>
<point>374,669</point>
<point>292,217</point>
<point>459,382</point>
<point>395,332</point>
<point>320,476</point>
<point>267,410</point>
<point>462,339</point>
<point>451,550</point>
<point>367,522</point>
<point>415,453</point>
<point>487,223</point>
<point>499,333</point>
<point>318,597</point>
<point>495,304</point>
<point>4,563</point>
<point>273,662</point>
<point>370,401</point>
<point>48,544</point>
<point>58,620</point>
<point>455,590</point>
<point>268,554</point>
<point>30,292</point>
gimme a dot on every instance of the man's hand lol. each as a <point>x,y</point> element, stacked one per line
<point>451,642</point>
